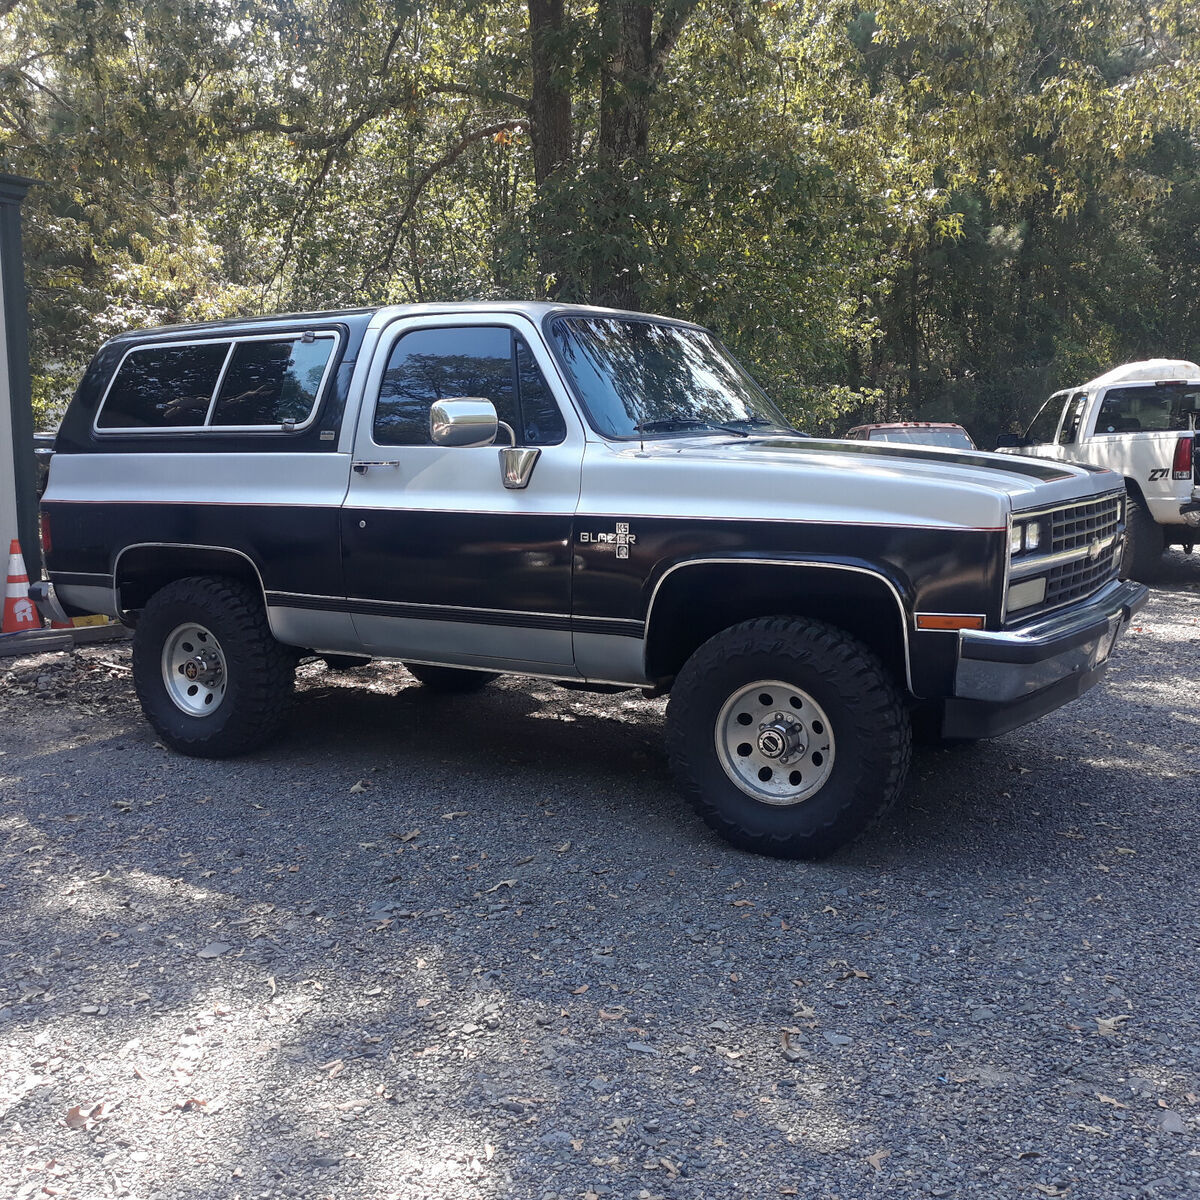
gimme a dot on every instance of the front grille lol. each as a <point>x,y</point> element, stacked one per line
<point>1073,581</point>
<point>1079,524</point>
<point>1076,527</point>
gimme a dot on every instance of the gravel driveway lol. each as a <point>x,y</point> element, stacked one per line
<point>476,947</point>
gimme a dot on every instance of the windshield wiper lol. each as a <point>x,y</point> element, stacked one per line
<point>666,424</point>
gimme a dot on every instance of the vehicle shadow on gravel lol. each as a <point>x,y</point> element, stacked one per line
<point>1178,570</point>
<point>514,936</point>
<point>606,753</point>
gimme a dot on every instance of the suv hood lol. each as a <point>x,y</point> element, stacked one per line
<point>810,478</point>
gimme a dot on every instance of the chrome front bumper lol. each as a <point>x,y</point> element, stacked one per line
<point>1011,664</point>
<point>1008,678</point>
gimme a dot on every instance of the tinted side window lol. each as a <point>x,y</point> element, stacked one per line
<point>440,364</point>
<point>542,422</point>
<point>1074,414</point>
<point>270,382</point>
<point>163,386</point>
<point>1043,427</point>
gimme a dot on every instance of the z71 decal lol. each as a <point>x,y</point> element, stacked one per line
<point>1159,473</point>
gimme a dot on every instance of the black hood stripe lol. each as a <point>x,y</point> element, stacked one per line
<point>1011,466</point>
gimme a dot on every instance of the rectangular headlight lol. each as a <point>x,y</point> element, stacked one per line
<point>1033,535</point>
<point>1016,539</point>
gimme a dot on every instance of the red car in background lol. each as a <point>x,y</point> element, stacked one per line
<point>924,433</point>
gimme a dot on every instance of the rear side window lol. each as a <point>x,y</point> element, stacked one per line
<point>256,383</point>
<point>272,383</point>
<point>1074,414</point>
<point>1156,409</point>
<point>162,387</point>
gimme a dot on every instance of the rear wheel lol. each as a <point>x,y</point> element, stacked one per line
<point>788,736</point>
<point>1144,544</point>
<point>211,678</point>
<point>450,680</point>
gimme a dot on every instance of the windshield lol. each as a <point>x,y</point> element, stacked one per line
<point>639,378</point>
<point>958,438</point>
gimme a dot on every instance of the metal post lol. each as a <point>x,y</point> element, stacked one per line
<point>18,504</point>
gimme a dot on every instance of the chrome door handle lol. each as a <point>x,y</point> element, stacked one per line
<point>361,467</point>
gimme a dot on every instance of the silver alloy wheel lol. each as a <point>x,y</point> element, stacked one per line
<point>193,670</point>
<point>775,742</point>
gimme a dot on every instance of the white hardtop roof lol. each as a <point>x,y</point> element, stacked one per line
<point>1147,371</point>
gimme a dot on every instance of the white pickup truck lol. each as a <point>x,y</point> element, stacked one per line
<point>1138,420</point>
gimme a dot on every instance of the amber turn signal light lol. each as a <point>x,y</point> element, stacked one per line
<point>948,621</point>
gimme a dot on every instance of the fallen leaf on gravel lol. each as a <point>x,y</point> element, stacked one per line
<point>451,815</point>
<point>743,904</point>
<point>1125,850</point>
<point>583,987</point>
<point>614,1014</point>
<point>804,1011</point>
<point>876,1159</point>
<point>76,1117</point>
<point>1110,1100</point>
<point>213,950</point>
<point>1048,1189</point>
<point>853,973</point>
<point>424,1001</point>
<point>508,883</point>
<point>333,1066</point>
<point>1092,1129</point>
<point>1111,1026</point>
<point>360,786</point>
<point>563,848</point>
<point>408,837</point>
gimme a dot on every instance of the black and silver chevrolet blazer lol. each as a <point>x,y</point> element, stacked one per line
<point>596,497</point>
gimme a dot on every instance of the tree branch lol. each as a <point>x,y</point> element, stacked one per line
<point>479,93</point>
<point>423,180</point>
<point>674,18</point>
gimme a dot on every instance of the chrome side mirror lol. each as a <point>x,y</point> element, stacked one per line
<point>463,421</point>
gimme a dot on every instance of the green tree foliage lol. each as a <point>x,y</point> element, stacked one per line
<point>928,208</point>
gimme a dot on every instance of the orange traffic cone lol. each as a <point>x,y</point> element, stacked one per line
<point>19,613</point>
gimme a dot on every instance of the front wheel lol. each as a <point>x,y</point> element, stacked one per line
<point>788,736</point>
<point>212,680</point>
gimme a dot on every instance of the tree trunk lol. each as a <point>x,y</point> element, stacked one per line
<point>626,84</point>
<point>553,151</point>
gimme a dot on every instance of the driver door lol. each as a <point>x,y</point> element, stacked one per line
<point>443,562</point>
